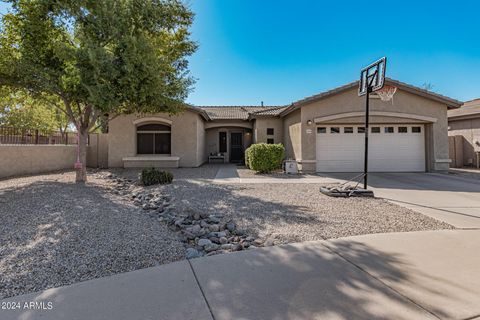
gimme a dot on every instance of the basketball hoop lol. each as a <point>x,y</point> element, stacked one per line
<point>386,93</point>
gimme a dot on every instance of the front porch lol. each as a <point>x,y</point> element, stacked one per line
<point>227,143</point>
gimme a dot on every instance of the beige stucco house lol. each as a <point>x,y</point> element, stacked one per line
<point>323,133</point>
<point>464,134</point>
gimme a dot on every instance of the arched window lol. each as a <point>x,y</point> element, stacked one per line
<point>153,138</point>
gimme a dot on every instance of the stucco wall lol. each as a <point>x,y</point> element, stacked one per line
<point>260,130</point>
<point>470,130</point>
<point>32,159</point>
<point>201,150</point>
<point>292,138</point>
<point>184,137</point>
<point>403,102</point>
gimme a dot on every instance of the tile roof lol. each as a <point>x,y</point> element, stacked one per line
<point>234,112</point>
<point>271,111</point>
<point>469,108</point>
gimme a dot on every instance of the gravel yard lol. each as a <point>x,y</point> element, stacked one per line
<point>55,232</point>
<point>286,212</point>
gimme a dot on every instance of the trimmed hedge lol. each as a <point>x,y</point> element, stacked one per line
<point>264,158</point>
<point>152,176</point>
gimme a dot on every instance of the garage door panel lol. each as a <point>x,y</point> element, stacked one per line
<point>394,152</point>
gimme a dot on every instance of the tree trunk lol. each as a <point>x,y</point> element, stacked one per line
<point>81,172</point>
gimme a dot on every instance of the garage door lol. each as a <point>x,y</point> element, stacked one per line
<point>392,148</point>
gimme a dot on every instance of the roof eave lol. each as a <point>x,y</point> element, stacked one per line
<point>451,103</point>
<point>464,117</point>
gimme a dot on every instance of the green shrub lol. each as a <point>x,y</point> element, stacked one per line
<point>264,158</point>
<point>152,176</point>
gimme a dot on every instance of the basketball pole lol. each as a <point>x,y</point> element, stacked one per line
<point>367,116</point>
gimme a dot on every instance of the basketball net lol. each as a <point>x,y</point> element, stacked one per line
<point>386,93</point>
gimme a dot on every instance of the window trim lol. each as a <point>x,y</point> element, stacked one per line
<point>153,133</point>
<point>220,142</point>
<point>344,131</point>
<point>388,127</point>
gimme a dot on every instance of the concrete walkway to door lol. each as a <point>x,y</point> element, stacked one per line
<point>450,198</point>
<point>403,276</point>
<point>228,174</point>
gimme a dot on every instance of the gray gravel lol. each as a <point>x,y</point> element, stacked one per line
<point>284,213</point>
<point>54,233</point>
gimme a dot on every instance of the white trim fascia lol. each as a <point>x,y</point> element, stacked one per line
<point>375,113</point>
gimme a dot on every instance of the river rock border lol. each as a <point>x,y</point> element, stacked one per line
<point>203,234</point>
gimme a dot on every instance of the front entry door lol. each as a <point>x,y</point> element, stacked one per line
<point>236,147</point>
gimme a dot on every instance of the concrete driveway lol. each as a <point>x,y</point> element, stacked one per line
<point>452,198</point>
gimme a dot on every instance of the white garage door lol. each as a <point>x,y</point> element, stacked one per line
<point>392,148</point>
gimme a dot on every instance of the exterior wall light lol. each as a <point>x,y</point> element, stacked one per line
<point>309,122</point>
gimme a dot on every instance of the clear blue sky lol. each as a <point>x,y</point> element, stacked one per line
<point>279,51</point>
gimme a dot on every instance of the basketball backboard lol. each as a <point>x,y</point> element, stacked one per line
<point>372,76</point>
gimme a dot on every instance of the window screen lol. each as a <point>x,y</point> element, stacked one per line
<point>162,143</point>
<point>153,138</point>
<point>144,143</point>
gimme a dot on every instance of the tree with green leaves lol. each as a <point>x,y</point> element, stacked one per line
<point>20,110</point>
<point>98,58</point>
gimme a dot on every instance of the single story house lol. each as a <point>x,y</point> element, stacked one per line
<point>464,133</point>
<point>323,133</point>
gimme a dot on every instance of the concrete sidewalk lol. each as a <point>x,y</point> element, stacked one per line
<point>418,275</point>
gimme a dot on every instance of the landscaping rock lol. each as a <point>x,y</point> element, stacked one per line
<point>231,226</point>
<point>211,247</point>
<point>213,219</point>
<point>214,227</point>
<point>204,242</point>
<point>192,253</point>
<point>226,246</point>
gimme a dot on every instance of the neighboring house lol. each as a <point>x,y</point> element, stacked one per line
<point>322,133</point>
<point>464,132</point>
